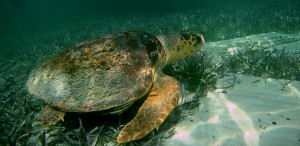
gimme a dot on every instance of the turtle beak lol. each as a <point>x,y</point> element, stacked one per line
<point>199,40</point>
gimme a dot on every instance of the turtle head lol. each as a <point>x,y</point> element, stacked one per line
<point>180,45</point>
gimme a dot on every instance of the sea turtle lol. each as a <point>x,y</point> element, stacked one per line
<point>111,73</point>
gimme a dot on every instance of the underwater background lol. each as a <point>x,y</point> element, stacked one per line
<point>29,20</point>
<point>33,30</point>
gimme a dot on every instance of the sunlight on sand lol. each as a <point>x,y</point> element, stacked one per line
<point>250,134</point>
<point>248,114</point>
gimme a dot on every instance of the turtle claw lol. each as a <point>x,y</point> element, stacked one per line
<point>49,116</point>
<point>160,102</point>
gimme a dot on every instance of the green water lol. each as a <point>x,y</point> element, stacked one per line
<point>33,30</point>
<point>22,21</point>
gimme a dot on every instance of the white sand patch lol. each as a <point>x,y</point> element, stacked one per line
<point>246,110</point>
<point>253,112</point>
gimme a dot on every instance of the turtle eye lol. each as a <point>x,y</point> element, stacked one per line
<point>186,36</point>
<point>193,38</point>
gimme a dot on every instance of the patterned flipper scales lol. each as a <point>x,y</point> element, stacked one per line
<point>162,99</point>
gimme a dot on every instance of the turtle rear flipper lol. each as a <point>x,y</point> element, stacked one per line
<point>49,116</point>
<point>162,99</point>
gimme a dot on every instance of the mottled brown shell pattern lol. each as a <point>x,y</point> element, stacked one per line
<point>108,72</point>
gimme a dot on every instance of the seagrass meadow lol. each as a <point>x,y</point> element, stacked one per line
<point>34,31</point>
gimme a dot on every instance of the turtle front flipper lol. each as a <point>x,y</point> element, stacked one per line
<point>49,116</point>
<point>162,99</point>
